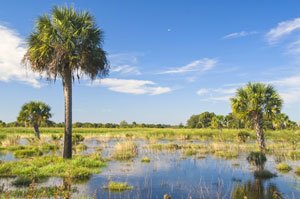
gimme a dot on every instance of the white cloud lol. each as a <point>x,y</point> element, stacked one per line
<point>132,86</point>
<point>217,94</point>
<point>124,63</point>
<point>202,91</point>
<point>239,34</point>
<point>282,29</point>
<point>126,69</point>
<point>200,65</point>
<point>288,88</point>
<point>12,50</point>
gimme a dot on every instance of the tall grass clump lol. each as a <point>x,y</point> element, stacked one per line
<point>283,167</point>
<point>118,186</point>
<point>125,151</point>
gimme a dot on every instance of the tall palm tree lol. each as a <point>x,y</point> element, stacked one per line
<point>67,44</point>
<point>254,102</point>
<point>33,114</point>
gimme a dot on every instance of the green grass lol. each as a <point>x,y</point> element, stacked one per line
<point>158,133</point>
<point>297,171</point>
<point>226,154</point>
<point>294,155</point>
<point>25,153</point>
<point>80,167</point>
<point>146,160</point>
<point>283,167</point>
<point>125,151</point>
<point>161,147</point>
<point>118,186</point>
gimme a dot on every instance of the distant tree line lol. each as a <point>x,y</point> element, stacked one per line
<point>122,124</point>
<point>230,121</point>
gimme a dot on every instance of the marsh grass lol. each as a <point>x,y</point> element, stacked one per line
<point>39,192</point>
<point>125,151</point>
<point>294,155</point>
<point>283,167</point>
<point>30,151</point>
<point>146,160</point>
<point>167,146</point>
<point>80,147</point>
<point>227,154</point>
<point>25,153</point>
<point>118,186</point>
<point>297,171</point>
<point>80,167</point>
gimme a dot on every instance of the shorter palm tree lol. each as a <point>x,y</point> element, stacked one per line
<point>34,114</point>
<point>254,102</point>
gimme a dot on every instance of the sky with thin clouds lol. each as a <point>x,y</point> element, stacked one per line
<point>169,59</point>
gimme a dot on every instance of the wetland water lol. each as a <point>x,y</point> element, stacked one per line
<point>170,172</point>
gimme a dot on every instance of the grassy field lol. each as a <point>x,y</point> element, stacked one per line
<point>167,133</point>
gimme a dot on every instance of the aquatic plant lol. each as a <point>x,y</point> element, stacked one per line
<point>80,167</point>
<point>226,154</point>
<point>25,153</point>
<point>125,151</point>
<point>145,160</point>
<point>257,159</point>
<point>119,186</point>
<point>283,167</point>
<point>168,146</point>
<point>297,170</point>
<point>294,155</point>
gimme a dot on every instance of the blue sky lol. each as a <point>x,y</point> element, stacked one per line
<point>169,59</point>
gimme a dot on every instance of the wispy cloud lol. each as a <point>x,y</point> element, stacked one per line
<point>217,94</point>
<point>12,50</point>
<point>200,65</point>
<point>288,88</point>
<point>126,69</point>
<point>239,34</point>
<point>132,86</point>
<point>282,29</point>
<point>124,63</point>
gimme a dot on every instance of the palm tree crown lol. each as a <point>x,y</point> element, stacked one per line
<point>34,114</point>
<point>256,98</point>
<point>67,40</point>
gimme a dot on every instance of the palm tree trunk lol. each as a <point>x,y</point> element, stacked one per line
<point>67,84</point>
<point>259,132</point>
<point>36,130</point>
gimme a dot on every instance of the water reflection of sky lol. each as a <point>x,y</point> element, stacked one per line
<point>183,178</point>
